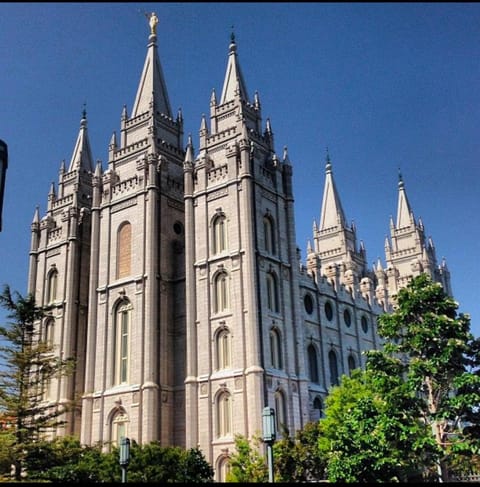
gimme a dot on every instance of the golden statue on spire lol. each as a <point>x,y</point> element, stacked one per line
<point>153,21</point>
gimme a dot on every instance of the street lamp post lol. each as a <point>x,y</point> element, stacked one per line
<point>269,435</point>
<point>124,456</point>
<point>3,172</point>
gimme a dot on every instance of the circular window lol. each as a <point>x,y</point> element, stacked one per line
<point>364,324</point>
<point>347,318</point>
<point>308,303</point>
<point>328,311</point>
<point>178,228</point>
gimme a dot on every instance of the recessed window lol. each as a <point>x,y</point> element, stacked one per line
<point>308,303</point>
<point>364,324</point>
<point>347,317</point>
<point>328,311</point>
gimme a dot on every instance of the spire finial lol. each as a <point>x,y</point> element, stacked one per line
<point>328,156</point>
<point>153,22</point>
<point>84,110</point>
<point>400,179</point>
<point>232,36</point>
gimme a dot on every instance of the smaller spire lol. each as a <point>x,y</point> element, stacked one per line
<point>179,115</point>
<point>36,215</point>
<point>286,159</point>
<point>256,100</point>
<point>213,98</point>
<point>189,150</point>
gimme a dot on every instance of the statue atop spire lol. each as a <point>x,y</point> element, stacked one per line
<point>153,21</point>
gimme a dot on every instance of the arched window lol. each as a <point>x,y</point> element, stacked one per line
<point>224,414</point>
<point>221,292</point>
<point>328,311</point>
<point>124,250</point>
<point>269,234</point>
<point>52,286</point>
<point>272,292</point>
<point>119,427</point>
<point>224,353</point>
<point>332,361</point>
<point>223,468</point>
<point>312,363</point>
<point>280,413</point>
<point>219,235</point>
<point>317,409</point>
<point>275,349</point>
<point>122,345</point>
<point>347,317</point>
<point>364,322</point>
<point>351,363</point>
<point>49,331</point>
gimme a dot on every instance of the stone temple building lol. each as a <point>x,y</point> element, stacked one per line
<point>173,277</point>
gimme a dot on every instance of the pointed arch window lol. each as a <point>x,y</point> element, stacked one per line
<point>224,352</point>
<point>313,364</point>
<point>221,298</point>
<point>224,414</point>
<point>122,345</point>
<point>275,349</point>
<point>219,234</point>
<point>124,250</point>
<point>272,292</point>
<point>332,362</point>
<point>52,286</point>
<point>269,234</point>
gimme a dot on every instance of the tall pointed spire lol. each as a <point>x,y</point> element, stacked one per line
<point>234,81</point>
<point>332,212</point>
<point>404,213</point>
<point>152,81</point>
<point>82,154</point>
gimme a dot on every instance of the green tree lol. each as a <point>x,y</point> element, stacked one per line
<point>65,460</point>
<point>431,347</point>
<point>370,432</point>
<point>26,365</point>
<point>299,459</point>
<point>155,463</point>
<point>247,464</point>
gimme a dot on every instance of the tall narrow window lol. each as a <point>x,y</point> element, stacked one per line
<point>221,292</point>
<point>219,234</point>
<point>223,468</point>
<point>269,234</point>
<point>224,355</point>
<point>122,328</point>
<point>332,361</point>
<point>280,413</point>
<point>224,414</point>
<point>351,364</point>
<point>124,250</point>
<point>52,286</point>
<point>312,363</point>
<point>272,292</point>
<point>317,409</point>
<point>48,333</point>
<point>275,349</point>
<point>119,427</point>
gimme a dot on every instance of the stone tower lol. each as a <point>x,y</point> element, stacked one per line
<point>243,344</point>
<point>59,269</point>
<point>136,320</point>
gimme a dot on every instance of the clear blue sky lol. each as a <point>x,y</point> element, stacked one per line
<point>385,86</point>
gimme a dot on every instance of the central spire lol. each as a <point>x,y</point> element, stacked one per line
<point>233,77</point>
<point>152,82</point>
